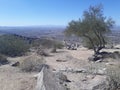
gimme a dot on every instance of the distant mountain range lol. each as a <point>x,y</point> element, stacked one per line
<point>46,31</point>
<point>42,31</point>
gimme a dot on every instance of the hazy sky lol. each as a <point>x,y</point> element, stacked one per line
<point>51,12</point>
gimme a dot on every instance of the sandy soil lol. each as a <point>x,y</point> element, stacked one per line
<point>11,78</point>
<point>71,58</point>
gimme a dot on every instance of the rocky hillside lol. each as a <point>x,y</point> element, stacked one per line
<point>64,70</point>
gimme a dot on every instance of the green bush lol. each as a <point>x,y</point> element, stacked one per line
<point>3,60</point>
<point>56,45</point>
<point>87,43</point>
<point>11,45</point>
<point>59,45</point>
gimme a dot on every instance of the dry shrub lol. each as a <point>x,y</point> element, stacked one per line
<point>113,73</point>
<point>3,60</point>
<point>32,63</point>
<point>53,50</point>
<point>96,68</point>
<point>42,52</point>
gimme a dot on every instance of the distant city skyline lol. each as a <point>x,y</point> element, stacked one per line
<point>51,12</point>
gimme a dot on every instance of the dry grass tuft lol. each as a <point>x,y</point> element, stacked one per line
<point>113,73</point>
<point>32,63</point>
<point>96,68</point>
<point>3,60</point>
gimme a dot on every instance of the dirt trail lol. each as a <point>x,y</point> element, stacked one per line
<point>81,53</point>
<point>71,58</point>
<point>74,59</point>
<point>11,78</point>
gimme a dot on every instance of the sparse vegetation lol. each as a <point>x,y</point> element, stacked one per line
<point>31,63</point>
<point>11,45</point>
<point>3,60</point>
<point>113,74</point>
<point>42,44</point>
<point>59,45</point>
<point>42,52</point>
<point>47,43</point>
<point>56,45</point>
<point>96,68</point>
<point>54,50</point>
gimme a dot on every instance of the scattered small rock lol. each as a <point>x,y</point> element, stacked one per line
<point>101,72</point>
<point>15,64</point>
<point>97,82</point>
<point>74,70</point>
<point>58,60</point>
<point>109,63</point>
<point>90,76</point>
<point>95,58</point>
<point>99,61</point>
<point>79,70</point>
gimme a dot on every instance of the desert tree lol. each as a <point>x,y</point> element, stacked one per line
<point>92,28</point>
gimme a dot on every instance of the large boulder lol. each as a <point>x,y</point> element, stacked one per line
<point>47,80</point>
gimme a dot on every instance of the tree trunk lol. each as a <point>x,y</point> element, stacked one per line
<point>91,43</point>
<point>98,50</point>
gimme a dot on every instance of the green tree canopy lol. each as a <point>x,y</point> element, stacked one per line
<point>92,27</point>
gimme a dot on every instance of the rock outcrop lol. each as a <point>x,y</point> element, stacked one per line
<point>47,80</point>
